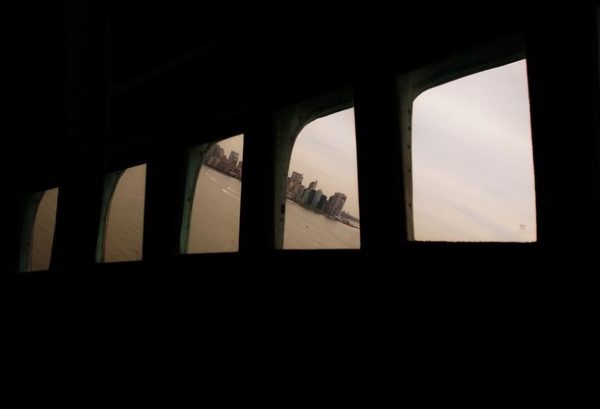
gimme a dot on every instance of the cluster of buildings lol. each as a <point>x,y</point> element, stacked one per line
<point>216,158</point>
<point>314,199</point>
<point>310,197</point>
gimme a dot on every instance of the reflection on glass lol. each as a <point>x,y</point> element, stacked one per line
<point>472,159</point>
<point>125,223</point>
<point>43,231</point>
<point>322,187</point>
<point>215,213</point>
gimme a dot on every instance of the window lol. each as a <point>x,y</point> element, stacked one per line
<point>322,188</point>
<point>124,226</point>
<point>213,197</point>
<point>472,159</point>
<point>37,248</point>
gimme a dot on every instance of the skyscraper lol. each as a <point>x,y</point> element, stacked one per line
<point>309,197</point>
<point>335,204</point>
<point>232,161</point>
<point>322,203</point>
<point>213,154</point>
<point>299,193</point>
<point>296,179</point>
<point>316,199</point>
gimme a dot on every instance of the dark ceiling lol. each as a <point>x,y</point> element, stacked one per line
<point>180,62</point>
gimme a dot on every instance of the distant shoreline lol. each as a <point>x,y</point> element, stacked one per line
<point>233,176</point>
<point>342,221</point>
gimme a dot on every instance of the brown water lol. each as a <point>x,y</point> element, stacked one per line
<point>125,229</point>
<point>214,222</point>
<point>305,229</point>
<point>43,231</point>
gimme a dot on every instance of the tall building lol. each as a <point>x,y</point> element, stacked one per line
<point>296,179</point>
<point>213,154</point>
<point>299,193</point>
<point>335,204</point>
<point>317,197</point>
<point>322,203</point>
<point>304,197</point>
<point>233,159</point>
<point>313,185</point>
<point>239,169</point>
<point>212,161</point>
<point>309,197</point>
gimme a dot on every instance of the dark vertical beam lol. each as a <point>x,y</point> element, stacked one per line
<point>380,168</point>
<point>165,187</point>
<point>83,170</point>
<point>562,59</point>
<point>598,84</point>
<point>257,223</point>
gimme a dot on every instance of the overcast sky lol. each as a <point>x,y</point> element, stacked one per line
<point>325,150</point>
<point>235,143</point>
<point>472,158</point>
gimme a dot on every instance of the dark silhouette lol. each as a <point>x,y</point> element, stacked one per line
<point>110,84</point>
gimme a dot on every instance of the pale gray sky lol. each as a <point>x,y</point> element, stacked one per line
<point>235,143</point>
<point>472,159</point>
<point>325,150</point>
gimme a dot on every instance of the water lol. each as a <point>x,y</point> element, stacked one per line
<point>125,229</point>
<point>305,229</point>
<point>215,220</point>
<point>43,231</point>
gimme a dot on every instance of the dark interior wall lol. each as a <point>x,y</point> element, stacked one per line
<point>39,106</point>
<point>112,84</point>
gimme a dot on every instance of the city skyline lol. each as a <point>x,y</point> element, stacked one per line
<point>315,199</point>
<point>229,163</point>
<point>472,158</point>
<point>234,143</point>
<point>325,150</point>
<point>309,196</point>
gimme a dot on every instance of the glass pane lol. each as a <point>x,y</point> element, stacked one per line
<point>125,225</point>
<point>322,192</point>
<point>215,214</point>
<point>472,159</point>
<point>43,231</point>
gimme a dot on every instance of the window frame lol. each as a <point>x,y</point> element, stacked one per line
<point>110,183</point>
<point>30,203</point>
<point>208,134</point>
<point>287,125</point>
<point>194,162</point>
<point>412,84</point>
